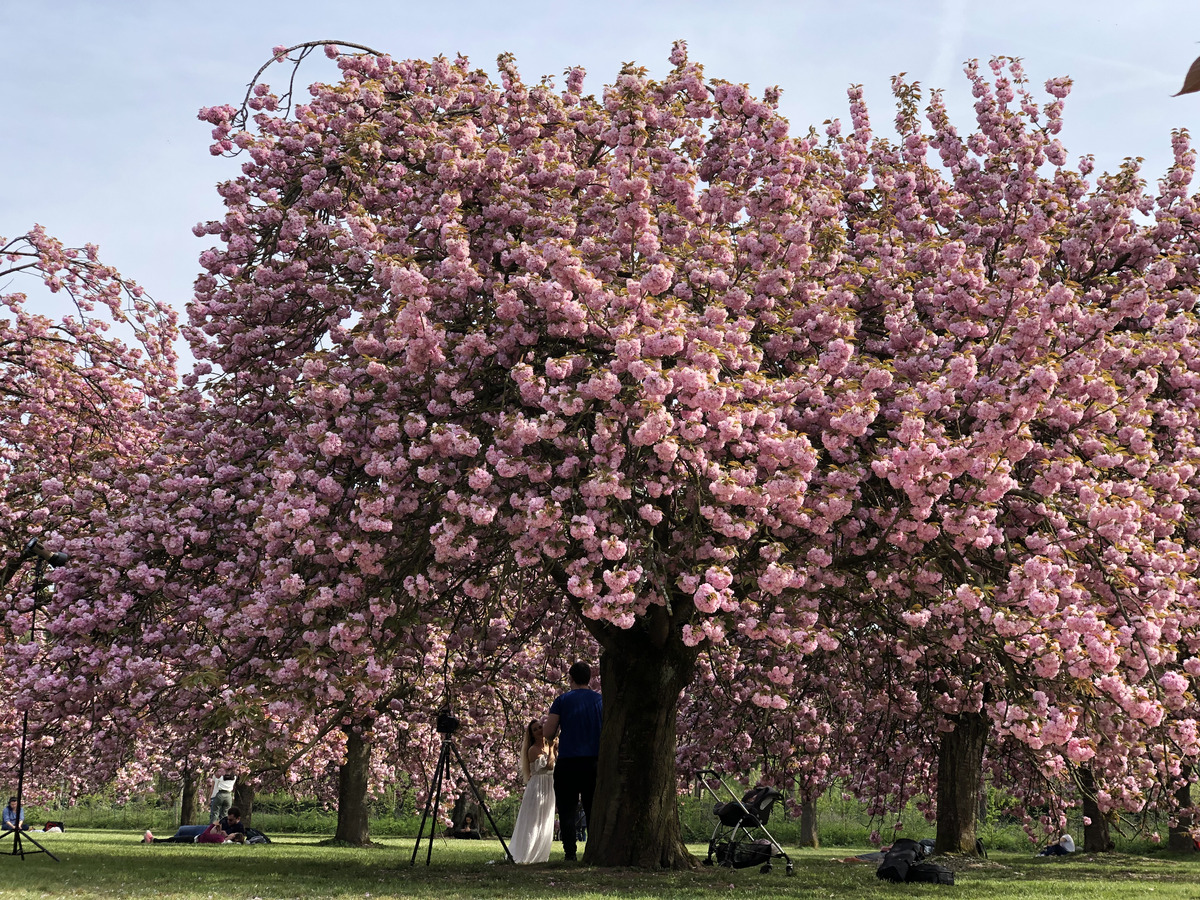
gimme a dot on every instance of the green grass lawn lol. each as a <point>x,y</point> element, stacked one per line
<point>115,864</point>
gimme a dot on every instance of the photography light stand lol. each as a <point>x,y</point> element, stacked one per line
<point>33,548</point>
<point>447,724</point>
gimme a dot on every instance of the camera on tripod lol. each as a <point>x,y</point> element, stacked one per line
<point>447,723</point>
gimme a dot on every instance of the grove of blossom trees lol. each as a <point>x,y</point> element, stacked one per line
<point>851,457</point>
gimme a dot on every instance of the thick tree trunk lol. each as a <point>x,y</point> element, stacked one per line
<point>1179,838</point>
<point>243,798</point>
<point>635,814</point>
<point>1096,837</point>
<point>960,767</point>
<point>187,798</point>
<point>808,824</point>
<point>352,826</point>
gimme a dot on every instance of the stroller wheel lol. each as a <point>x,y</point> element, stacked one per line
<point>791,870</point>
<point>765,869</point>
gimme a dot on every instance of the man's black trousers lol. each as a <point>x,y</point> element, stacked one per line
<point>574,783</point>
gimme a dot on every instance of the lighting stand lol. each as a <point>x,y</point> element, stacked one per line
<point>435,797</point>
<point>19,837</point>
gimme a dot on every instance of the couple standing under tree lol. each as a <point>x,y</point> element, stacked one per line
<point>562,776</point>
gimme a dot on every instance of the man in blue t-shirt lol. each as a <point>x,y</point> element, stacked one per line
<point>575,717</point>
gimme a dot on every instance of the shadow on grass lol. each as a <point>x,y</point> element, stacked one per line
<point>111,864</point>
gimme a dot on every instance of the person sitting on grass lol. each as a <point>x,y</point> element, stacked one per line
<point>467,829</point>
<point>232,825</point>
<point>14,818</point>
<point>1062,847</point>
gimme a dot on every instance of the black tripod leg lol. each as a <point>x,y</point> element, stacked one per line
<point>435,789</point>
<point>478,796</point>
<point>437,797</point>
<point>33,841</point>
<point>421,830</point>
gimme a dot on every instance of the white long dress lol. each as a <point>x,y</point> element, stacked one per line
<point>534,830</point>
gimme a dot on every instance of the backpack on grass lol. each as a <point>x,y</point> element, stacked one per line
<point>929,873</point>
<point>904,862</point>
<point>900,857</point>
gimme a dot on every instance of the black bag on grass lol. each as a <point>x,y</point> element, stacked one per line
<point>929,873</point>
<point>901,856</point>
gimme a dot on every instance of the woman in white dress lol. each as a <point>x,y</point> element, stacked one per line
<point>534,830</point>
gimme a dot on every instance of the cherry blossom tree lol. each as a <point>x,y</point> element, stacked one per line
<point>510,336</point>
<point>1018,567</point>
<point>1074,314</point>
<point>86,363</point>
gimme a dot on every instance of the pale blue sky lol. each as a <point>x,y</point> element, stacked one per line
<point>100,140</point>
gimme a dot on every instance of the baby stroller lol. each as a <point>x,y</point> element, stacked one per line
<point>732,844</point>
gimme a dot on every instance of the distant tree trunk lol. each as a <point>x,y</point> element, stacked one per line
<point>960,766</point>
<point>1096,837</point>
<point>459,812</point>
<point>187,798</point>
<point>1180,836</point>
<point>243,797</point>
<point>981,818</point>
<point>635,815</point>
<point>352,825</point>
<point>808,824</point>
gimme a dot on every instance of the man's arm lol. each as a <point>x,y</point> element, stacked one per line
<point>550,726</point>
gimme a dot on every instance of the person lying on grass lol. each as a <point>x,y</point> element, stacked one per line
<point>213,834</point>
<point>198,834</point>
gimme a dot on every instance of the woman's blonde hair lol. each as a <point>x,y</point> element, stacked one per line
<point>526,743</point>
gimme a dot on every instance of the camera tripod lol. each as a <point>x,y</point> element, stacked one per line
<point>435,798</point>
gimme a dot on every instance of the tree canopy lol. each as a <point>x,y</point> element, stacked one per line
<point>854,456</point>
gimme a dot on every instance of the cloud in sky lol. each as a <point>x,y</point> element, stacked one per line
<point>952,26</point>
